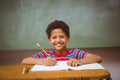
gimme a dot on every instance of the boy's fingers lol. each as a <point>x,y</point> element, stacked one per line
<point>72,62</point>
<point>50,61</point>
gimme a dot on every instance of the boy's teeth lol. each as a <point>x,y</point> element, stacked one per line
<point>58,44</point>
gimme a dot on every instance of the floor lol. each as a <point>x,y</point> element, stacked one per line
<point>110,56</point>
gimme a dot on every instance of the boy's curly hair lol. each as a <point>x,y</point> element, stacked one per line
<point>57,25</point>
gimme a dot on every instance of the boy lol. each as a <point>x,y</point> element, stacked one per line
<point>58,35</point>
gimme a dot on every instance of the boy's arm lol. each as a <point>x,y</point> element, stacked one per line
<point>90,58</point>
<point>31,60</point>
<point>42,61</point>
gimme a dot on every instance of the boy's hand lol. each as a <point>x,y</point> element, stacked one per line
<point>48,61</point>
<point>74,62</point>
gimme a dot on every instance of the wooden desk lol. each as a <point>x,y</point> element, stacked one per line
<point>13,72</point>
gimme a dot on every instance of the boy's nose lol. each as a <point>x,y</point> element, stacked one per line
<point>58,40</point>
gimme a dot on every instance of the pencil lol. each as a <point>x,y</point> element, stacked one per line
<point>43,49</point>
<point>24,70</point>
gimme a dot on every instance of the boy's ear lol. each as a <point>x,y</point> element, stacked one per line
<point>49,39</point>
<point>68,37</point>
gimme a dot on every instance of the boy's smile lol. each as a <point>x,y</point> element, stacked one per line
<point>59,39</point>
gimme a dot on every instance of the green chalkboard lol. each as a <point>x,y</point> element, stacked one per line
<point>93,23</point>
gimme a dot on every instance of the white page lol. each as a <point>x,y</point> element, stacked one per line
<point>62,65</point>
<point>88,66</point>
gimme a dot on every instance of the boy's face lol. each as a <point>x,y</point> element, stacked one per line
<point>58,39</point>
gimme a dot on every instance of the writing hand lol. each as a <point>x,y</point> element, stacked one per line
<point>48,61</point>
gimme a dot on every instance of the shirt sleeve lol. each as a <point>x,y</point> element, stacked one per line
<point>80,54</point>
<point>39,55</point>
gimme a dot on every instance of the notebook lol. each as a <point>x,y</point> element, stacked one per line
<point>62,65</point>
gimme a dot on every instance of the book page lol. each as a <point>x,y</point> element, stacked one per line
<point>62,65</point>
<point>88,66</point>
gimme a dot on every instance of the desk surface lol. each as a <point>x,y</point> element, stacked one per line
<point>15,72</point>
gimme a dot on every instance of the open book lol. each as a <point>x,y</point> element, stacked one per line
<point>62,65</point>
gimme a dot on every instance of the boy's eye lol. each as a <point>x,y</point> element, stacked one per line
<point>53,37</point>
<point>61,36</point>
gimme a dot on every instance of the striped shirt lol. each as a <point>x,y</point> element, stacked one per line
<point>71,53</point>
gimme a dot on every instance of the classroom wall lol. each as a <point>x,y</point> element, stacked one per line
<point>93,23</point>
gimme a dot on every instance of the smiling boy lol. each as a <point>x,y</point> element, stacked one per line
<point>58,35</point>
